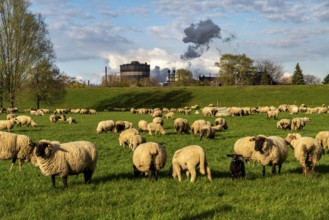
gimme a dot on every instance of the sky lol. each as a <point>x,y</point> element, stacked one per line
<point>90,34</point>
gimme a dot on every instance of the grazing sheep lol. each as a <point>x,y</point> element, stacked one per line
<point>149,158</point>
<point>25,120</point>
<point>209,111</point>
<point>10,116</point>
<point>263,109</point>
<point>299,123</point>
<point>284,124</point>
<point>157,113</point>
<point>15,146</point>
<point>128,124</point>
<point>198,124</point>
<point>84,111</point>
<point>92,111</point>
<point>246,148</point>
<point>119,126</point>
<point>142,126</point>
<point>181,125</point>
<point>158,120</point>
<point>104,126</point>
<point>307,150</point>
<point>272,114</point>
<point>71,120</point>
<point>156,128</point>
<point>293,109</point>
<point>7,124</point>
<point>54,118</point>
<point>323,138</point>
<point>207,132</point>
<point>237,167</point>
<point>187,159</point>
<point>66,159</point>
<point>169,115</point>
<point>136,140</point>
<point>273,151</point>
<point>234,111</point>
<point>221,121</point>
<point>125,136</point>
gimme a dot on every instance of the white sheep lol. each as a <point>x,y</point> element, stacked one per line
<point>221,121</point>
<point>272,114</point>
<point>14,146</point>
<point>66,159</point>
<point>149,158</point>
<point>273,151</point>
<point>169,115</point>
<point>234,111</point>
<point>71,120</point>
<point>299,123</point>
<point>284,124</point>
<point>181,125</point>
<point>156,128</point>
<point>25,120</point>
<point>307,150</point>
<point>158,120</point>
<point>7,124</point>
<point>104,126</point>
<point>209,111</point>
<point>142,126</point>
<point>125,136</point>
<point>323,138</point>
<point>198,124</point>
<point>157,113</point>
<point>246,147</point>
<point>187,159</point>
<point>128,124</point>
<point>10,116</point>
<point>136,140</point>
<point>207,132</point>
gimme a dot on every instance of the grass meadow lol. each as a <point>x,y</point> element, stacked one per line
<point>115,193</point>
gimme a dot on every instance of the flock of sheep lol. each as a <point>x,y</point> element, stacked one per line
<point>63,159</point>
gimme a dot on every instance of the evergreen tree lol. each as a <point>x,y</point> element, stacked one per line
<point>265,78</point>
<point>298,77</point>
<point>326,80</point>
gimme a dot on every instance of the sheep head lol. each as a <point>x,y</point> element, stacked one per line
<point>43,149</point>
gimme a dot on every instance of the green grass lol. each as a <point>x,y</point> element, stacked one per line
<point>116,193</point>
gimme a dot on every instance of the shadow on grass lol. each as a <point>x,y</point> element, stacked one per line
<point>176,98</point>
<point>320,169</point>
<point>210,213</point>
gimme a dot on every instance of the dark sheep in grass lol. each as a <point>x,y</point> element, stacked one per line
<point>237,167</point>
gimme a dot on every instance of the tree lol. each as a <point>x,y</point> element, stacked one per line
<point>326,80</point>
<point>24,42</point>
<point>298,77</point>
<point>46,84</point>
<point>265,79</point>
<point>273,70</point>
<point>184,77</point>
<point>236,69</point>
<point>312,80</point>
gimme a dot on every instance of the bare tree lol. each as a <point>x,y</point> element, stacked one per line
<point>273,70</point>
<point>312,80</point>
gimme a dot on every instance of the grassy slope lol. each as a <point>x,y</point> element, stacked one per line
<point>116,194</point>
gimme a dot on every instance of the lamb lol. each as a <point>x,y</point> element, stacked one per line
<point>142,126</point>
<point>104,126</point>
<point>14,146</point>
<point>198,124</point>
<point>66,159</point>
<point>246,148</point>
<point>7,124</point>
<point>284,124</point>
<point>181,125</point>
<point>323,138</point>
<point>273,151</point>
<point>158,120</point>
<point>221,121</point>
<point>237,167</point>
<point>187,159</point>
<point>207,131</point>
<point>136,140</point>
<point>71,120</point>
<point>25,120</point>
<point>125,136</point>
<point>156,128</point>
<point>307,150</point>
<point>149,158</point>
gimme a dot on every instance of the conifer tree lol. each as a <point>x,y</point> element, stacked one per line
<point>298,77</point>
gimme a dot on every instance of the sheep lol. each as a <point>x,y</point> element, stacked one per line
<point>149,158</point>
<point>245,147</point>
<point>233,111</point>
<point>157,113</point>
<point>104,126</point>
<point>25,120</point>
<point>307,150</point>
<point>284,124</point>
<point>158,120</point>
<point>209,111</point>
<point>217,128</point>
<point>156,128</point>
<point>181,125</point>
<point>142,126</point>
<point>125,136</point>
<point>15,146</point>
<point>221,121</point>
<point>198,124</point>
<point>237,167</point>
<point>7,124</point>
<point>299,123</point>
<point>323,138</point>
<point>272,150</point>
<point>136,140</point>
<point>84,111</point>
<point>263,109</point>
<point>119,126</point>
<point>293,109</point>
<point>10,116</point>
<point>93,111</point>
<point>66,159</point>
<point>187,159</point>
<point>54,118</point>
<point>207,131</point>
<point>71,120</point>
<point>128,124</point>
<point>272,114</point>
<point>169,115</point>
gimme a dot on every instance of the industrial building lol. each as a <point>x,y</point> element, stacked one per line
<point>134,71</point>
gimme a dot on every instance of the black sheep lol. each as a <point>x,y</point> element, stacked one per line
<point>237,166</point>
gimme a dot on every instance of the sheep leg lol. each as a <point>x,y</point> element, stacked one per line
<point>273,169</point>
<point>280,168</point>
<point>87,175</point>
<point>177,171</point>
<point>53,180</point>
<point>64,180</point>
<point>191,169</point>
<point>263,170</point>
<point>12,164</point>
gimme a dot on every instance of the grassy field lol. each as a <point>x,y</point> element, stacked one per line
<point>116,193</point>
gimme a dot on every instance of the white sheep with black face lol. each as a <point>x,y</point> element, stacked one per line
<point>64,159</point>
<point>181,125</point>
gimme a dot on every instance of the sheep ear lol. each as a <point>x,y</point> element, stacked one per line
<point>229,155</point>
<point>252,139</point>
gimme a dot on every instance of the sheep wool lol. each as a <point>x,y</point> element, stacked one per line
<point>104,126</point>
<point>125,136</point>
<point>25,120</point>
<point>66,159</point>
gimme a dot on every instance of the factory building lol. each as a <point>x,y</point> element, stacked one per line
<point>134,71</point>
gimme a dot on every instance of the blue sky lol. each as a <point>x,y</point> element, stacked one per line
<point>89,35</point>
